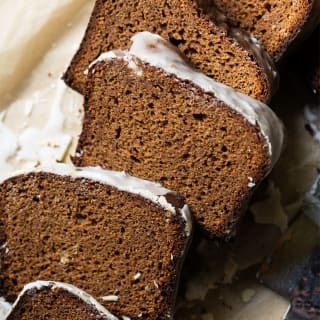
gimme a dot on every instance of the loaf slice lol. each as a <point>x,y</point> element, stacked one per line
<point>277,24</point>
<point>51,300</point>
<point>119,238</point>
<point>148,113</point>
<point>227,55</point>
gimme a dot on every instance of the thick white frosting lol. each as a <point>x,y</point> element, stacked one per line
<point>67,287</point>
<point>156,51</point>
<point>149,190</point>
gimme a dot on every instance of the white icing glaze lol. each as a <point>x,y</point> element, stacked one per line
<point>70,288</point>
<point>156,51</point>
<point>152,191</point>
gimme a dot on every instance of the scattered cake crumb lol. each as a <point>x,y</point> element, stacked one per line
<point>110,298</point>
<point>156,284</point>
<point>247,295</point>
<point>251,183</point>
<point>137,276</point>
<point>207,316</point>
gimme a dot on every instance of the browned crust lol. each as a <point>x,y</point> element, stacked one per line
<point>70,77</point>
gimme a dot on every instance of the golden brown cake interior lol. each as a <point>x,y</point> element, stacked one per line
<point>156,127</point>
<point>209,47</point>
<point>97,238</point>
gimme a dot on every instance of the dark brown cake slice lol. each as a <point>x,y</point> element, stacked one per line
<point>225,54</point>
<point>196,136</point>
<point>119,238</point>
<point>51,300</point>
<point>278,24</point>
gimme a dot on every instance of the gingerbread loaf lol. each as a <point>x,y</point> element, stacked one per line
<point>278,25</point>
<point>150,114</point>
<point>119,238</point>
<point>52,300</point>
<point>225,54</point>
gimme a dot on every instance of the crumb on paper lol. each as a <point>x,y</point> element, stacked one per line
<point>247,295</point>
<point>198,287</point>
<point>271,210</point>
<point>207,316</point>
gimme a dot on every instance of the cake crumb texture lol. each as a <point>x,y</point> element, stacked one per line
<point>92,236</point>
